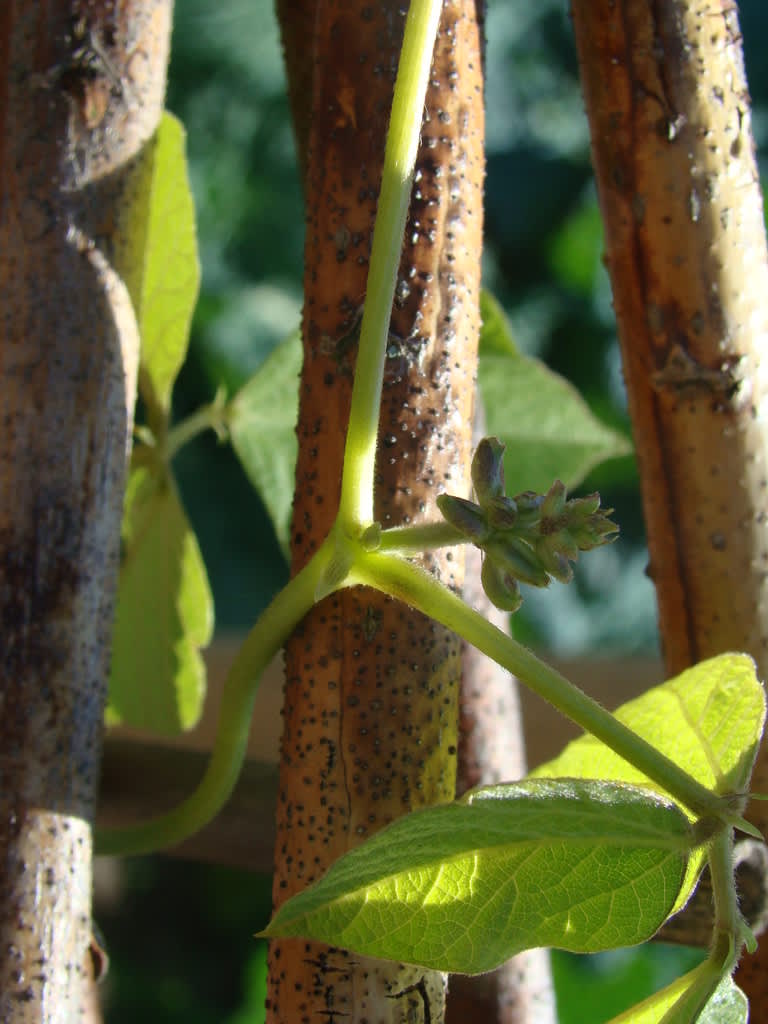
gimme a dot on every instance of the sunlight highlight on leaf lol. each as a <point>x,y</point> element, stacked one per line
<point>156,253</point>
<point>462,887</point>
<point>709,720</point>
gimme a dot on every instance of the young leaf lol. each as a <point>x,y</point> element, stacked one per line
<point>462,887</point>
<point>709,720</point>
<point>262,425</point>
<point>156,253</point>
<point>164,613</point>
<point>546,425</point>
<point>679,1002</point>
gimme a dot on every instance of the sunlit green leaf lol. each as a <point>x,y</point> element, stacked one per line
<point>546,425</point>
<point>462,887</point>
<point>164,612</point>
<point>262,424</point>
<point>680,1002</point>
<point>156,252</point>
<point>709,720</point>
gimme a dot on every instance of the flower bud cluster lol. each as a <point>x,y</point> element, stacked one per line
<point>531,538</point>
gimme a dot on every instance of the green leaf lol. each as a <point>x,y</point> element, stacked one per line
<point>262,425</point>
<point>164,612</point>
<point>576,250</point>
<point>680,1002</point>
<point>549,430</point>
<point>709,720</point>
<point>156,253</point>
<point>462,887</point>
<point>495,334</point>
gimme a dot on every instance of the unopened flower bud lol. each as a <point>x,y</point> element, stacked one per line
<point>500,587</point>
<point>488,469</point>
<point>565,544</point>
<point>553,559</point>
<point>582,508</point>
<point>553,505</point>
<point>593,535</point>
<point>518,559</point>
<point>501,513</point>
<point>588,525</point>
<point>465,516</point>
<point>528,509</point>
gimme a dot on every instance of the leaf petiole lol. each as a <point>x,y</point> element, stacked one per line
<point>730,929</point>
<point>207,417</point>
<point>407,582</point>
<point>410,540</point>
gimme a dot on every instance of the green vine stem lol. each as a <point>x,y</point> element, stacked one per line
<point>207,417</point>
<point>411,540</point>
<point>167,442</point>
<point>407,582</point>
<point>328,569</point>
<point>356,503</point>
<point>266,638</point>
<point>358,552</point>
<point>728,934</point>
<point>728,920</point>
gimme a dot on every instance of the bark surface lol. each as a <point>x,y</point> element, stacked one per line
<point>674,156</point>
<point>81,88</point>
<point>370,717</point>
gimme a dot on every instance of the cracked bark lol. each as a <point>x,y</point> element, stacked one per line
<point>370,714</point>
<point>673,151</point>
<point>81,87</point>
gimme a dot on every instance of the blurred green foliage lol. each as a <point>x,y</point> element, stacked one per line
<point>181,943</point>
<point>594,989</point>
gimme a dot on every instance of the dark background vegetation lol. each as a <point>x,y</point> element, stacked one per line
<point>180,935</point>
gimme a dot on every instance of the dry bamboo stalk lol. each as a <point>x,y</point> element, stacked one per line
<point>371,691</point>
<point>81,90</point>
<point>669,114</point>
